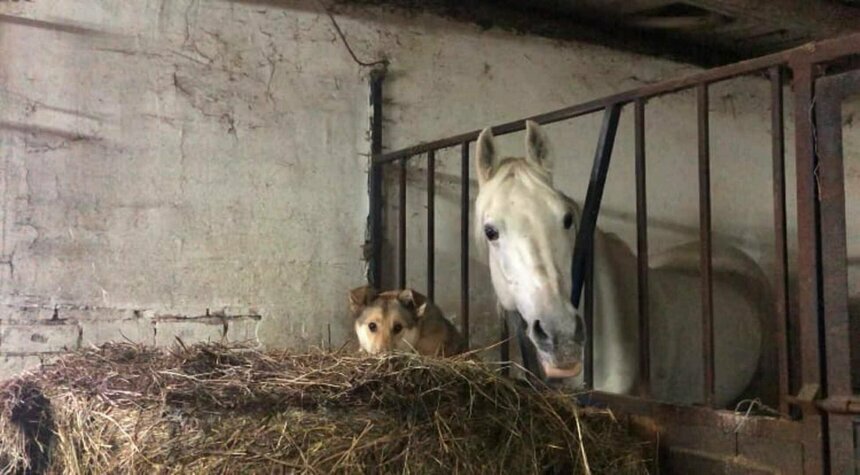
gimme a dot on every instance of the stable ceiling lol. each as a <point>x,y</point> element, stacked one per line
<point>702,32</point>
<point>736,27</point>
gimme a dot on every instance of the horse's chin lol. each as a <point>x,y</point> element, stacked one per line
<point>568,371</point>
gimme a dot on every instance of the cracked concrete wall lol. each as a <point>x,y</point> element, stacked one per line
<point>176,169</point>
<point>197,169</point>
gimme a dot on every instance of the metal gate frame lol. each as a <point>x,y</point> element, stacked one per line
<point>812,382</point>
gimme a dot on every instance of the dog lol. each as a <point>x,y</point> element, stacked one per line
<point>402,320</point>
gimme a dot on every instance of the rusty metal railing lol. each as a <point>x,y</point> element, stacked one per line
<point>801,383</point>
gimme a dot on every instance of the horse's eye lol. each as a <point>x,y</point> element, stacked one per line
<point>491,232</point>
<point>568,220</point>
<point>397,328</point>
<point>372,327</point>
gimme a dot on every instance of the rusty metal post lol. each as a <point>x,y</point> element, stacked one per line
<point>642,251</point>
<point>705,240</point>
<point>808,265</point>
<point>401,229</point>
<point>464,240</point>
<point>830,93</point>
<point>431,224</point>
<point>504,336</point>
<point>780,249</point>
<point>376,182</point>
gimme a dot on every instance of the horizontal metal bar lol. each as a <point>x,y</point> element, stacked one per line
<point>840,405</point>
<point>777,429</point>
<point>813,52</point>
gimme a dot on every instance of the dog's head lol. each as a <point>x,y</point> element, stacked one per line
<point>388,320</point>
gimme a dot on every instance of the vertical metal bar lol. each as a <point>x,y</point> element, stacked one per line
<point>374,268</point>
<point>401,230</point>
<point>431,224</point>
<point>464,240</point>
<point>591,208</point>
<point>582,262</point>
<point>588,320</point>
<point>830,93</point>
<point>642,251</point>
<point>808,263</point>
<point>505,345</point>
<point>705,240</point>
<point>780,226</point>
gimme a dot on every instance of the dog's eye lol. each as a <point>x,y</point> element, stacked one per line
<point>568,220</point>
<point>491,232</point>
<point>397,328</point>
<point>371,326</point>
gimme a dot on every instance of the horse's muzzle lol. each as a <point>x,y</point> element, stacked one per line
<point>564,361</point>
<point>561,372</point>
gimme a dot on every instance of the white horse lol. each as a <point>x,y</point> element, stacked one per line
<point>530,229</point>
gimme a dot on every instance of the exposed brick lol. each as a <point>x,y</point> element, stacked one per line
<point>188,330</point>
<point>136,330</point>
<point>25,313</point>
<point>39,337</point>
<point>13,365</point>
<point>242,329</point>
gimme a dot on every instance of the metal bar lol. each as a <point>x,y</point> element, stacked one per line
<point>464,240</point>
<point>821,51</point>
<point>401,229</point>
<point>808,261</point>
<point>830,93</point>
<point>374,268</point>
<point>656,412</point>
<point>840,405</point>
<point>588,220</point>
<point>780,226</point>
<point>588,319</point>
<point>582,265</point>
<point>504,336</point>
<point>705,244</point>
<point>642,250</point>
<point>431,224</point>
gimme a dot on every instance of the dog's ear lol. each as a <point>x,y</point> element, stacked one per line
<point>359,298</point>
<point>419,313</point>
<point>411,299</point>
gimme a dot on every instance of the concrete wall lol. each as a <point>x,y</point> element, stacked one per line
<point>198,168</point>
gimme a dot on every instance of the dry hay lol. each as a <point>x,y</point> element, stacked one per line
<point>123,408</point>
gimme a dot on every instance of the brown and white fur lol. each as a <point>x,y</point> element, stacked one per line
<point>402,320</point>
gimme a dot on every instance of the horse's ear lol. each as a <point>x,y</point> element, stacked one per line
<point>486,155</point>
<point>359,298</point>
<point>537,145</point>
<point>411,299</point>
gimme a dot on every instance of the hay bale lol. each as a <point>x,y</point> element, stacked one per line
<point>123,408</point>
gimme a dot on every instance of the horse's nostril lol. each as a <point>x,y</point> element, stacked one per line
<point>540,334</point>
